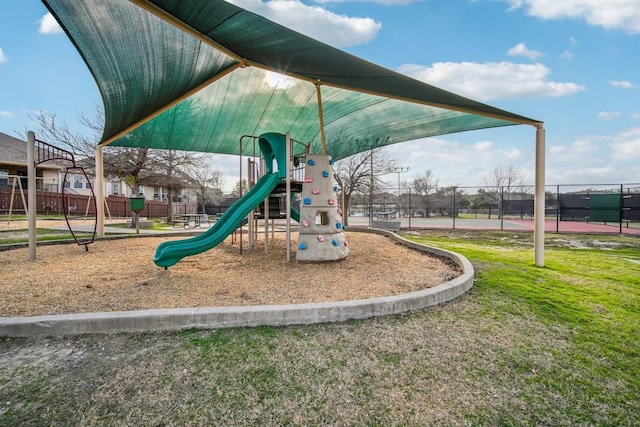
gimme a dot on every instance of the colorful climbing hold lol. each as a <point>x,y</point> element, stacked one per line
<point>331,161</point>
<point>315,191</point>
<point>320,238</point>
<point>311,162</point>
<point>335,188</point>
<point>302,246</point>
<point>307,200</point>
<point>335,242</point>
<point>332,202</point>
<point>339,211</point>
<point>305,223</point>
<point>325,174</point>
<point>338,225</point>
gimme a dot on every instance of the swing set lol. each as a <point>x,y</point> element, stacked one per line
<point>40,152</point>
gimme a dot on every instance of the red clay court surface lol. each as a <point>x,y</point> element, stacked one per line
<point>551,226</point>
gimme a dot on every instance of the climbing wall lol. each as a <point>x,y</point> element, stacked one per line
<point>321,232</point>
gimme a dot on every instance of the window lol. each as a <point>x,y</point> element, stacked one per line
<point>115,188</point>
<point>77,184</point>
<point>67,184</point>
<point>322,218</point>
<point>87,185</point>
<point>4,178</point>
<point>141,190</point>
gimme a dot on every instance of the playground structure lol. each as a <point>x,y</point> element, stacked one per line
<point>39,152</point>
<point>321,235</point>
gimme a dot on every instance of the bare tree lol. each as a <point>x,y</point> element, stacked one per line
<point>504,180</point>
<point>169,170</point>
<point>208,183</point>
<point>424,185</point>
<point>240,187</point>
<point>361,173</point>
<point>122,163</point>
<point>58,133</point>
<point>508,178</point>
<point>135,166</point>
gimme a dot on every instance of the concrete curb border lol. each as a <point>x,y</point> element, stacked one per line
<point>251,316</point>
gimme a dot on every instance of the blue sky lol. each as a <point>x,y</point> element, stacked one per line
<point>574,64</point>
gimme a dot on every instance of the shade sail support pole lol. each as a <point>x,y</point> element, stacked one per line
<point>539,202</point>
<point>99,191</point>
<point>321,119</point>
<point>31,193</point>
<point>288,194</point>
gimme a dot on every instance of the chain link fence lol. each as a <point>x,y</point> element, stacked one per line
<point>613,208</point>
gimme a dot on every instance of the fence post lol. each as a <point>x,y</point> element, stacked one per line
<point>453,208</point>
<point>410,208</point>
<point>621,206</point>
<point>501,207</point>
<point>557,208</point>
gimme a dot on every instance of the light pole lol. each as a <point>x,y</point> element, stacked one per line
<point>399,170</point>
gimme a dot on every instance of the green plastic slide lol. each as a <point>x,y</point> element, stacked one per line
<point>169,253</point>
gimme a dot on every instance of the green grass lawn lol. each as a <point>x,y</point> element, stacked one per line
<point>552,346</point>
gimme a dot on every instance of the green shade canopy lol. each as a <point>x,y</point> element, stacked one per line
<point>197,75</point>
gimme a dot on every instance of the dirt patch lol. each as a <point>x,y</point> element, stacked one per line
<point>120,275</point>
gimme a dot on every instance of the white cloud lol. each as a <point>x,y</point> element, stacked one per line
<point>492,80</point>
<point>576,152</point>
<point>5,113</point>
<point>608,115</point>
<point>314,21</point>
<point>621,15</point>
<point>387,2</point>
<point>626,145</point>
<point>635,116</point>
<point>483,145</point>
<point>521,50</point>
<point>583,176</point>
<point>456,163</point>
<point>621,83</point>
<point>3,57</point>
<point>566,55</point>
<point>49,25</point>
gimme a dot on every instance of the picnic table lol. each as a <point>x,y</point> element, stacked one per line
<point>191,220</point>
<point>385,214</point>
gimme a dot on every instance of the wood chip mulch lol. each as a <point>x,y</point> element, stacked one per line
<point>117,275</point>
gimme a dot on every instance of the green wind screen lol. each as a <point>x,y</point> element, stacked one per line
<point>197,75</point>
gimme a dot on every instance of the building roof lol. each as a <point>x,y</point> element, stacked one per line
<point>13,152</point>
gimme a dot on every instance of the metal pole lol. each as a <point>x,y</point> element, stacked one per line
<point>321,119</point>
<point>410,208</point>
<point>31,193</point>
<point>501,208</point>
<point>250,183</point>
<point>557,208</point>
<point>240,192</point>
<point>538,227</point>
<point>100,201</point>
<point>621,206</point>
<point>453,208</point>
<point>371,192</point>
<point>288,196</point>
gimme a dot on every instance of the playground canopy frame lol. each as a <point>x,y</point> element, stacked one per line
<point>194,75</point>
